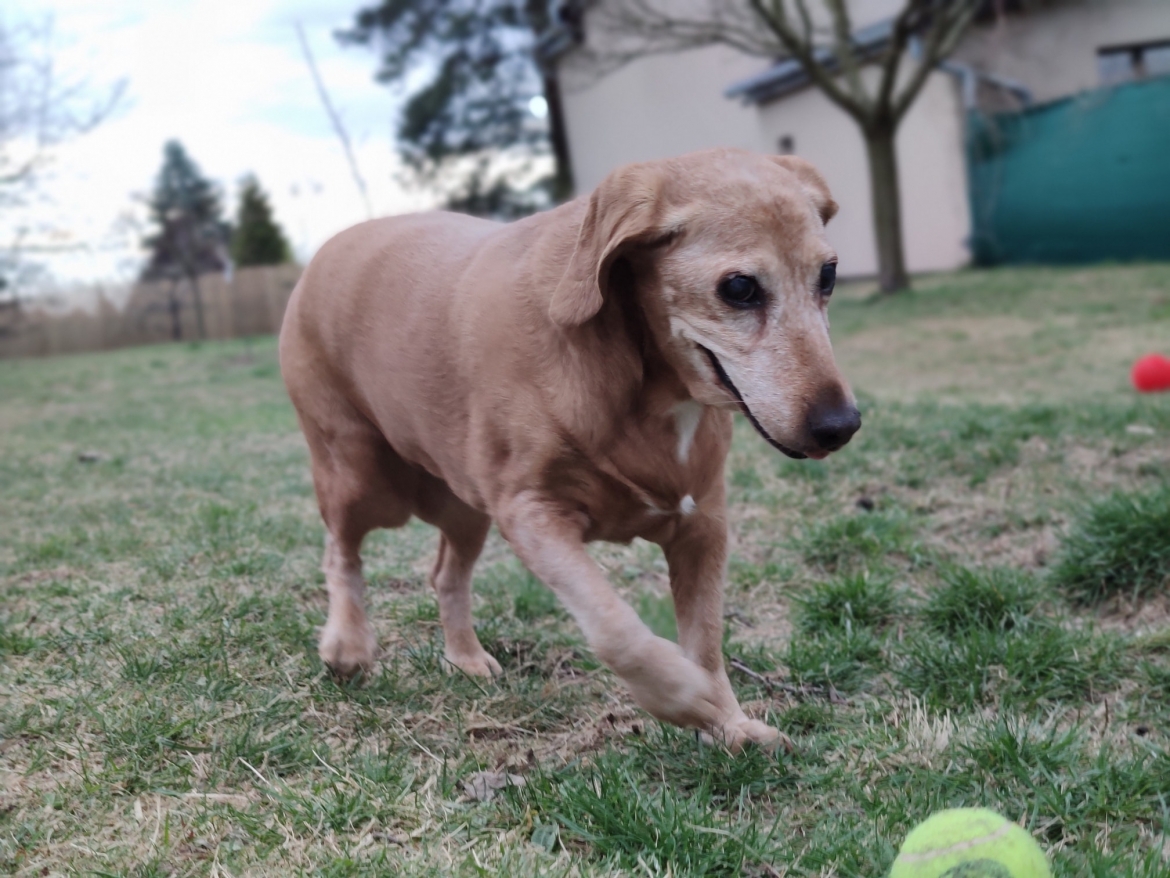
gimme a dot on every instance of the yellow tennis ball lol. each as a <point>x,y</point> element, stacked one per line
<point>969,843</point>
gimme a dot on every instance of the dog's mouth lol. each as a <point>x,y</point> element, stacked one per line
<point>734,391</point>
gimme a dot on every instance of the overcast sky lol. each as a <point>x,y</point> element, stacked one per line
<point>227,79</point>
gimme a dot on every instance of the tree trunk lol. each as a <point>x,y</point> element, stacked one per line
<point>197,296</point>
<point>173,303</point>
<point>559,137</point>
<point>887,208</point>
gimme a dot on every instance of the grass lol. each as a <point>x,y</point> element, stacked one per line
<point>857,601</point>
<point>1118,546</point>
<point>854,540</point>
<point>971,599</point>
<point>964,607</point>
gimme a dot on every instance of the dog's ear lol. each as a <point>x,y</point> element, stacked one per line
<point>625,209</point>
<point>812,182</point>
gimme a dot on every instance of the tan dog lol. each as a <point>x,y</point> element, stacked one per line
<point>572,377</point>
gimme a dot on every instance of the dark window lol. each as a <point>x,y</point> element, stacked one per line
<point>1117,64</point>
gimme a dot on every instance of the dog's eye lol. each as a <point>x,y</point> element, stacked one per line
<point>828,278</point>
<point>741,291</point>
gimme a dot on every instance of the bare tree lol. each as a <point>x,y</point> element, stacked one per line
<point>869,79</point>
<point>39,109</point>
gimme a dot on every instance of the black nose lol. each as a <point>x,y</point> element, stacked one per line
<point>833,424</point>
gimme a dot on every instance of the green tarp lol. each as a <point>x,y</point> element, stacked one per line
<point>1084,179</point>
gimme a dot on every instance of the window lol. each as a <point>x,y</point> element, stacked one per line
<point>1117,64</point>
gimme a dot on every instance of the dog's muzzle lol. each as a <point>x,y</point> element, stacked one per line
<point>721,374</point>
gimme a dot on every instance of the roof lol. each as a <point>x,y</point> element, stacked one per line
<point>787,75</point>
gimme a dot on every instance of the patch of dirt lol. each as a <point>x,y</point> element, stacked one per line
<point>1151,615</point>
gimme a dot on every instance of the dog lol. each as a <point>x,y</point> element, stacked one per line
<point>572,377</point>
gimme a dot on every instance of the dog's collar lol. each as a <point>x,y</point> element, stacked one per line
<point>734,391</point>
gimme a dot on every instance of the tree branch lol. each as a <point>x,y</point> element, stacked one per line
<point>843,46</point>
<point>804,52</point>
<point>892,58</point>
<point>946,28</point>
<point>653,31</point>
<point>335,119</point>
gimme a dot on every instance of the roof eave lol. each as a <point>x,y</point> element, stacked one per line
<point>787,76</point>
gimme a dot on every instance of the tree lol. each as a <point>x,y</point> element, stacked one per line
<point>484,107</point>
<point>39,110</point>
<point>257,238</point>
<point>190,234</point>
<point>823,41</point>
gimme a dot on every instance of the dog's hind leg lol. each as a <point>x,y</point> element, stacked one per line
<point>361,485</point>
<point>347,643</point>
<point>463,533</point>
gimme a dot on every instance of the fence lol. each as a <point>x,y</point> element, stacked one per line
<point>1078,180</point>
<point>252,302</point>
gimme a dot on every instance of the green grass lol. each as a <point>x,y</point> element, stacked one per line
<point>854,540</point>
<point>860,600</point>
<point>1118,546</point>
<point>926,614</point>
<point>996,599</point>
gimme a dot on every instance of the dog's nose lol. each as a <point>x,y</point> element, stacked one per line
<point>833,425</point>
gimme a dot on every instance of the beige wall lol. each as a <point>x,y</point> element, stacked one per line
<point>932,175</point>
<point>656,107</point>
<point>671,104</point>
<point>1053,49</point>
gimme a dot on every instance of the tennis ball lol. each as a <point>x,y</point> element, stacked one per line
<point>969,843</point>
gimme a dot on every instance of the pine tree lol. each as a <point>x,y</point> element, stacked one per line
<point>190,234</point>
<point>257,238</point>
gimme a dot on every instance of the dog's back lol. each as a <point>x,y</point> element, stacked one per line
<point>371,327</point>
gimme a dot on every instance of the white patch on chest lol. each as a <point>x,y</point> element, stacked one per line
<point>687,505</point>
<point>686,422</point>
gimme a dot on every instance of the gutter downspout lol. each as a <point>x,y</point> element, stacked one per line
<point>969,79</point>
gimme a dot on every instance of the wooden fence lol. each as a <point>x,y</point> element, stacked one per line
<point>252,302</point>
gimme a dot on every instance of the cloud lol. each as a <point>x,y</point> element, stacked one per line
<point>226,78</point>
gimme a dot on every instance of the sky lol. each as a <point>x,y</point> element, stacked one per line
<point>228,79</point>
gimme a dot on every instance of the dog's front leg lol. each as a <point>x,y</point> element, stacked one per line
<point>697,557</point>
<point>661,678</point>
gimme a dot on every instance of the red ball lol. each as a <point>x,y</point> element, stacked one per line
<point>1151,373</point>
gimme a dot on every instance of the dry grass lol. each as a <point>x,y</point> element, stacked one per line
<point>164,712</point>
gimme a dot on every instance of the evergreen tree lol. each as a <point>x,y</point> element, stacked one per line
<point>189,234</point>
<point>474,69</point>
<point>257,238</point>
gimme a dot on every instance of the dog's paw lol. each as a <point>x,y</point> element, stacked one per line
<point>741,732</point>
<point>670,687</point>
<point>348,650</point>
<point>475,664</point>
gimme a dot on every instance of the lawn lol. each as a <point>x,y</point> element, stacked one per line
<point>969,605</point>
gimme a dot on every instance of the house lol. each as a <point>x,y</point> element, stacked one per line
<point>1031,53</point>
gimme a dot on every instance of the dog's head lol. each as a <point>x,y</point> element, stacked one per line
<point>734,276</point>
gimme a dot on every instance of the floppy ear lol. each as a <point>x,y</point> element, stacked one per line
<point>812,182</point>
<point>624,209</point>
